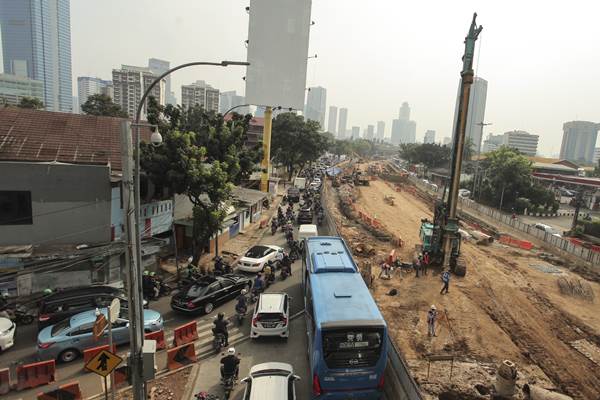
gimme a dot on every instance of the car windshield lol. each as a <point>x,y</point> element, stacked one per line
<point>271,372</point>
<point>197,290</point>
<point>60,327</point>
<point>258,252</point>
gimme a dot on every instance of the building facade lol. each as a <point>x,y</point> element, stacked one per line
<point>159,67</point>
<point>88,86</point>
<point>355,132</point>
<point>404,113</point>
<point>36,43</point>
<point>403,131</point>
<point>231,99</point>
<point>370,132</point>
<point>129,84</point>
<point>13,88</point>
<point>202,94</point>
<point>429,136</point>
<point>342,125</point>
<point>380,134</point>
<point>316,103</point>
<point>523,141</point>
<point>332,120</point>
<point>475,114</point>
<point>596,155</point>
<point>492,142</point>
<point>579,141</point>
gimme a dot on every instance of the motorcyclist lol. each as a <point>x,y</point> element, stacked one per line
<point>147,284</point>
<point>219,268</point>
<point>230,364</point>
<point>242,303</point>
<point>259,283</point>
<point>273,226</point>
<point>156,281</point>
<point>268,270</point>
<point>286,263</point>
<point>220,326</point>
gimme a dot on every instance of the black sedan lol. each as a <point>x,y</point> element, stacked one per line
<point>203,295</point>
<point>305,216</point>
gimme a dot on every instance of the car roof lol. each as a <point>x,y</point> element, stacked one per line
<point>271,365</point>
<point>270,302</point>
<point>269,387</point>
<point>83,290</point>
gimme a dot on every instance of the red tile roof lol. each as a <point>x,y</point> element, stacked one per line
<point>34,135</point>
<point>255,121</point>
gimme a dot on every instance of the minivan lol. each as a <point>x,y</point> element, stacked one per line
<point>271,316</point>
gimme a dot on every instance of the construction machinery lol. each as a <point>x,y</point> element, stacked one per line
<point>440,237</point>
<point>361,179</point>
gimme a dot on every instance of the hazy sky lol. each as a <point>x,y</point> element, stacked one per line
<point>541,59</point>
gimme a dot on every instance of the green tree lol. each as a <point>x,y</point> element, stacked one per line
<point>31,102</point>
<point>296,142</point>
<point>101,104</point>
<point>430,154</point>
<point>201,157</point>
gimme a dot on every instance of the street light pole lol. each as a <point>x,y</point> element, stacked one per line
<point>136,318</point>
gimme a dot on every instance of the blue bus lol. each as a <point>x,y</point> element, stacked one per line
<point>347,335</point>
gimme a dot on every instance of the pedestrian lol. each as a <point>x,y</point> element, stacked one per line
<point>426,261</point>
<point>385,271</point>
<point>416,266</point>
<point>446,280</point>
<point>431,318</point>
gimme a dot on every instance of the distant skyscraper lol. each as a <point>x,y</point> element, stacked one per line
<point>14,87</point>
<point>579,141</point>
<point>332,120</point>
<point>596,155</point>
<point>342,129</point>
<point>475,114</point>
<point>88,86</point>
<point>523,141</point>
<point>130,82</point>
<point>404,131</point>
<point>316,101</point>
<point>429,137</point>
<point>36,43</point>
<point>202,94</point>
<point>159,67</point>
<point>355,132</point>
<point>370,134</point>
<point>404,113</point>
<point>230,99</point>
<point>492,142</point>
<point>380,130</point>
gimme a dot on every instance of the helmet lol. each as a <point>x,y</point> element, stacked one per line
<point>152,273</point>
<point>433,307</point>
<point>221,315</point>
<point>244,291</point>
<point>146,273</point>
<point>5,295</point>
<point>231,351</point>
<point>48,291</point>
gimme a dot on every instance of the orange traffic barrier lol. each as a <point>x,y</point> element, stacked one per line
<point>35,374</point>
<point>69,391</point>
<point>4,381</point>
<point>185,333</point>
<point>121,375</point>
<point>181,356</point>
<point>523,244</point>
<point>159,336</point>
<point>90,353</point>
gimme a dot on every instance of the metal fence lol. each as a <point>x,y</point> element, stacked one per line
<point>561,244</point>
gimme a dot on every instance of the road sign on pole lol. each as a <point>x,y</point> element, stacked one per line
<point>99,326</point>
<point>103,363</point>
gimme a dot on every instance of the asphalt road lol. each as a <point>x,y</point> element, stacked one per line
<point>292,351</point>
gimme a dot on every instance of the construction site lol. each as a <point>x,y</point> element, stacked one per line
<point>521,314</point>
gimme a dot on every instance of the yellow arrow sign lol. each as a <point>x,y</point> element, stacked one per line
<point>103,363</point>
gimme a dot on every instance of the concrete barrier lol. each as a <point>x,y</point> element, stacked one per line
<point>35,374</point>
<point>181,356</point>
<point>4,380</point>
<point>159,336</point>
<point>69,391</point>
<point>185,333</point>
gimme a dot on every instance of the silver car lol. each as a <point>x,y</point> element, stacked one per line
<point>271,381</point>
<point>66,340</point>
<point>271,316</point>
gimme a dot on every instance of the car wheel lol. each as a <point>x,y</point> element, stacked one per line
<point>208,307</point>
<point>68,355</point>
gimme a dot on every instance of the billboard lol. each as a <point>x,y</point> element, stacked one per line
<point>278,35</point>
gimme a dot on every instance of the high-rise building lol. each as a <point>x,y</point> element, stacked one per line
<point>332,120</point>
<point>88,86</point>
<point>159,67</point>
<point>202,94</point>
<point>230,99</point>
<point>475,114</point>
<point>429,136</point>
<point>129,84</point>
<point>523,141</point>
<point>355,132</point>
<point>380,130</point>
<point>36,43</point>
<point>342,129</point>
<point>596,155</point>
<point>404,131</point>
<point>447,140</point>
<point>370,132</point>
<point>579,141</point>
<point>316,101</point>
<point>13,88</point>
<point>492,142</point>
<point>404,113</point>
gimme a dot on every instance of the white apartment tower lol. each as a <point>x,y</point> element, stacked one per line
<point>129,84</point>
<point>202,94</point>
<point>342,130</point>
<point>332,120</point>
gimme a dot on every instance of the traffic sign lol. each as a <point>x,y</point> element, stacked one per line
<point>99,326</point>
<point>103,363</point>
<point>115,310</point>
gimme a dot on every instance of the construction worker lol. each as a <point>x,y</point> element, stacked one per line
<point>426,261</point>
<point>446,280</point>
<point>431,318</point>
<point>417,266</point>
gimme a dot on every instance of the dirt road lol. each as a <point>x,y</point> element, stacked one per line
<point>507,307</point>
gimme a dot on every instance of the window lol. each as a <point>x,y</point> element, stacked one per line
<point>15,208</point>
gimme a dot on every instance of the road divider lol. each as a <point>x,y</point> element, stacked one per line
<point>159,337</point>
<point>4,380</point>
<point>35,374</point>
<point>185,333</point>
<point>121,376</point>
<point>181,356</point>
<point>69,391</point>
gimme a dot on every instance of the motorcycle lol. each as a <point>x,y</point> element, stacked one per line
<point>228,382</point>
<point>320,218</point>
<point>240,314</point>
<point>273,228</point>
<point>20,315</point>
<point>218,341</point>
<point>206,396</point>
<point>254,295</point>
<point>284,273</point>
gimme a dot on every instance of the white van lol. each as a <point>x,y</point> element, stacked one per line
<point>306,231</point>
<point>546,228</point>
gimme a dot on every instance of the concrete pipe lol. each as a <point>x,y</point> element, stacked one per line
<point>538,393</point>
<point>506,379</point>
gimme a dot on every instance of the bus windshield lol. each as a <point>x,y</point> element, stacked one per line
<point>352,347</point>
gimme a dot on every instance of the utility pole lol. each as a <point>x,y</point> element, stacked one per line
<point>466,81</point>
<point>132,266</point>
<point>266,161</point>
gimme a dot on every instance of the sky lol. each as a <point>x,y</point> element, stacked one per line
<point>541,59</point>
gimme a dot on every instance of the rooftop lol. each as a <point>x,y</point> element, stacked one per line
<point>553,166</point>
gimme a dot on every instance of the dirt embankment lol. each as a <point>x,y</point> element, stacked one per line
<point>508,306</point>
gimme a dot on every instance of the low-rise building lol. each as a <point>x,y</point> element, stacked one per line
<point>14,87</point>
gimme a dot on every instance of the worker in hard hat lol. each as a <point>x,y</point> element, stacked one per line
<point>431,318</point>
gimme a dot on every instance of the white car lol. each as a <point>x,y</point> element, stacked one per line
<point>464,193</point>
<point>271,381</point>
<point>257,257</point>
<point>7,333</point>
<point>271,316</point>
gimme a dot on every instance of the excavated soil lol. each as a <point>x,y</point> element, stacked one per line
<point>507,307</point>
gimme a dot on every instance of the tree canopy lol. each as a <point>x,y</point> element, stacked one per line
<point>31,102</point>
<point>429,154</point>
<point>101,104</point>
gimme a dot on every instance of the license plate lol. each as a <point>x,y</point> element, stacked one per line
<point>269,325</point>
